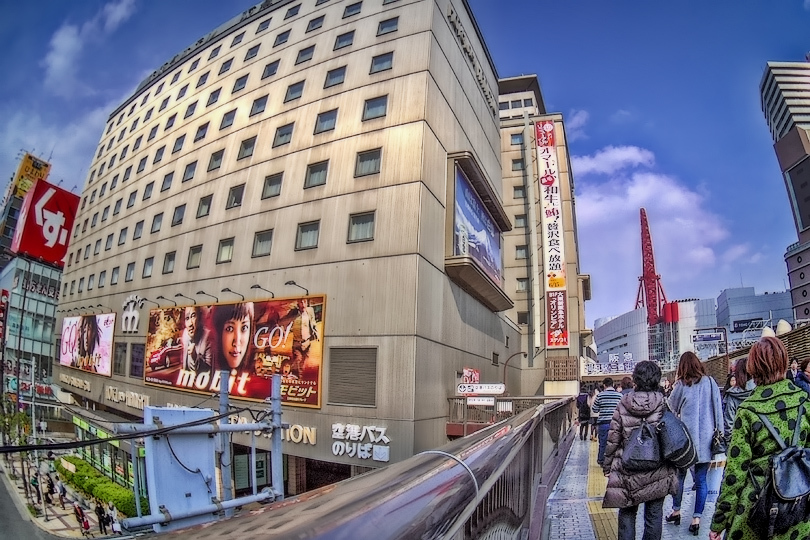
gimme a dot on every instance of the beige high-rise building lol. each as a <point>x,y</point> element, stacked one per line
<point>338,165</point>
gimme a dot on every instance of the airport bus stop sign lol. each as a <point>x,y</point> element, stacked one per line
<point>490,389</point>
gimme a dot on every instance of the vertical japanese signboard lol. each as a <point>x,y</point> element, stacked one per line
<point>31,169</point>
<point>552,239</point>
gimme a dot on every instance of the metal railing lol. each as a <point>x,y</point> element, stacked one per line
<point>493,483</point>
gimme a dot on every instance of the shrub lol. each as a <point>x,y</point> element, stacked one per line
<point>93,484</point>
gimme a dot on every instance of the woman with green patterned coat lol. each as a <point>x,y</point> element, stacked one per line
<point>751,445</point>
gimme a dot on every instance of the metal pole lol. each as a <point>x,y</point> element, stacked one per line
<point>253,459</point>
<point>135,483</point>
<point>225,455</point>
<point>19,332</point>
<point>34,425</point>
<point>276,459</point>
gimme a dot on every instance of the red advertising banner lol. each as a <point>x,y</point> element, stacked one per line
<point>87,343</point>
<point>557,322</point>
<point>46,219</point>
<point>188,346</point>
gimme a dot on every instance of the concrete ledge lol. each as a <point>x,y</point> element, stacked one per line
<point>549,478</point>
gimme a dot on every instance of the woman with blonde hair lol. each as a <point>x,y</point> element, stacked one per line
<point>778,400</point>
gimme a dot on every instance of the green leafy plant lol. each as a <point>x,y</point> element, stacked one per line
<point>94,484</point>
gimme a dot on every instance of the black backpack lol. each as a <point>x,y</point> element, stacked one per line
<point>783,501</point>
<point>583,407</point>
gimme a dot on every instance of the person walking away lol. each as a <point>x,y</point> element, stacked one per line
<point>79,513</point>
<point>605,404</point>
<point>802,379</point>
<point>626,490</point>
<point>112,513</point>
<point>627,385</point>
<point>743,387</point>
<point>584,413</point>
<point>594,415</point>
<point>696,400</point>
<point>101,514</point>
<point>752,445</point>
<point>61,491</point>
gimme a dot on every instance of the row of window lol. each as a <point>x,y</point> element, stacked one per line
<point>343,40</point>
<point>361,229</point>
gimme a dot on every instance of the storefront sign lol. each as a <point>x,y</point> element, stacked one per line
<point>132,399</point>
<point>130,316</point>
<point>350,440</point>
<point>477,69</point>
<point>295,433</point>
<point>75,382</point>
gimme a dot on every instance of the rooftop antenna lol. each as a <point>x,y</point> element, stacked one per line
<point>51,154</point>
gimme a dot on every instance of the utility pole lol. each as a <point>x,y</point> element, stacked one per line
<point>225,440</point>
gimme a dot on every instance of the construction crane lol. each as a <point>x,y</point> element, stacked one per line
<point>650,291</point>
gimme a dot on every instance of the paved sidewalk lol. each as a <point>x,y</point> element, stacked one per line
<point>575,505</point>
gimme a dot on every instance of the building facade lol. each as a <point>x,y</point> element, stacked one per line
<point>337,166</point>
<point>785,98</point>
<point>744,314</point>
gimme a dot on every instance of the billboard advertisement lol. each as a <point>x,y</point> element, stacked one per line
<point>474,231</point>
<point>30,170</point>
<point>552,239</point>
<point>46,219</point>
<point>188,346</point>
<point>87,343</point>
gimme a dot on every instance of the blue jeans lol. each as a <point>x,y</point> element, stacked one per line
<point>653,516</point>
<point>701,489</point>
<point>602,432</point>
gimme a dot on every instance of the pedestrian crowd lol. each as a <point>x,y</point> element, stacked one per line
<point>759,424</point>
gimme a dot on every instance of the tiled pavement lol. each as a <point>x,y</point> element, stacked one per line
<point>575,505</point>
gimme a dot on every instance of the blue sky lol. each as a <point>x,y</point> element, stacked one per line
<point>660,100</point>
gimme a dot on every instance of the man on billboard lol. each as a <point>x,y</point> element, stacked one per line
<point>197,354</point>
<point>304,333</point>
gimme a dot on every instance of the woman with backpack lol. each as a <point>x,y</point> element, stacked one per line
<point>747,467</point>
<point>583,413</point>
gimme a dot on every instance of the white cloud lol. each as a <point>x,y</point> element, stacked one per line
<point>621,116</point>
<point>611,159</point>
<point>66,45</point>
<point>575,123</point>
<point>807,5</point>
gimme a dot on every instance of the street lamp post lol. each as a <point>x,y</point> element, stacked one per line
<point>503,379</point>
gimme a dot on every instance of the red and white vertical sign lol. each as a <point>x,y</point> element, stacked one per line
<point>553,241</point>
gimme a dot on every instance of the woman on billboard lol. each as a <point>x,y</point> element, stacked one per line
<point>89,337</point>
<point>232,330</point>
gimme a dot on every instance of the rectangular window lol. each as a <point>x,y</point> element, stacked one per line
<point>203,79</point>
<point>213,97</point>
<point>179,212</point>
<point>352,9</point>
<point>138,230</point>
<point>190,110</point>
<point>523,317</point>
<point>137,143</point>
<point>109,243</point>
<point>335,77</point>
<point>124,151</point>
<point>361,227</point>
<point>102,279</point>
<point>235,196</point>
<point>517,139</point>
<point>258,105</point>
<point>528,102</point>
<point>270,69</point>
<point>294,91</point>
<point>368,162</point>
<point>344,40</point>
<point>136,360</point>
<point>246,148</point>
<point>114,276</point>
<point>522,284</point>
<point>216,160</point>
<point>97,247</point>
<point>237,39</point>
<point>122,236</point>
<point>133,126</point>
<point>375,107</point>
<point>188,174</point>
<point>517,165</point>
<point>326,121</point>
<point>292,12</point>
<point>262,243</point>
<point>305,54</point>
<point>194,65</point>
<point>382,62</point>
<point>148,115</point>
<point>168,262</point>
<point>225,251</point>
<point>167,182</point>
<point>152,133</point>
<point>105,214</point>
<point>147,192</point>
<point>163,104</point>
<point>157,221</point>
<point>252,52</point>
<point>158,155</point>
<point>130,273</point>
<point>226,65</point>
<point>86,252</point>
<point>131,200</point>
<point>315,23</point>
<point>316,174</point>
<point>227,119</point>
<point>283,135</point>
<point>516,104</point>
<point>194,257</point>
<point>264,25</point>
<point>214,52</point>
<point>81,285</point>
<point>103,190</point>
<point>178,144</point>
<point>520,221</point>
<point>182,92</point>
<point>94,221</point>
<point>239,84</point>
<point>170,121</point>
<point>281,38</point>
<point>272,185</point>
<point>101,169</point>
<point>109,145</point>
<point>147,267</point>
<point>127,174</point>
<point>204,206</point>
<point>307,236</point>
<point>121,135</point>
<point>519,192</point>
<point>201,131</point>
<point>175,78</point>
<point>387,26</point>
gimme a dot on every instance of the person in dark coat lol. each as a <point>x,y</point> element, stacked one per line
<point>802,379</point>
<point>101,514</point>
<point>583,412</point>
<point>625,489</point>
<point>743,387</point>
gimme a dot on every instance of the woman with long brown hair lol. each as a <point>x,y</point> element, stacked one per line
<point>232,331</point>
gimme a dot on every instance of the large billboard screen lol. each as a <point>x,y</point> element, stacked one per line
<point>46,219</point>
<point>30,170</point>
<point>474,232</point>
<point>87,343</point>
<point>188,346</point>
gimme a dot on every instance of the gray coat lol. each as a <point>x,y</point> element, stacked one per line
<point>699,408</point>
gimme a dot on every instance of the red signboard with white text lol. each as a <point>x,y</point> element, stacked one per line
<point>46,219</point>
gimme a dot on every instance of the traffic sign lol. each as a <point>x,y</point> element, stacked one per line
<point>492,389</point>
<point>488,401</point>
<point>708,337</point>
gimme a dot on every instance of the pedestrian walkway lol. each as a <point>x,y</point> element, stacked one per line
<point>575,505</point>
<point>52,518</point>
